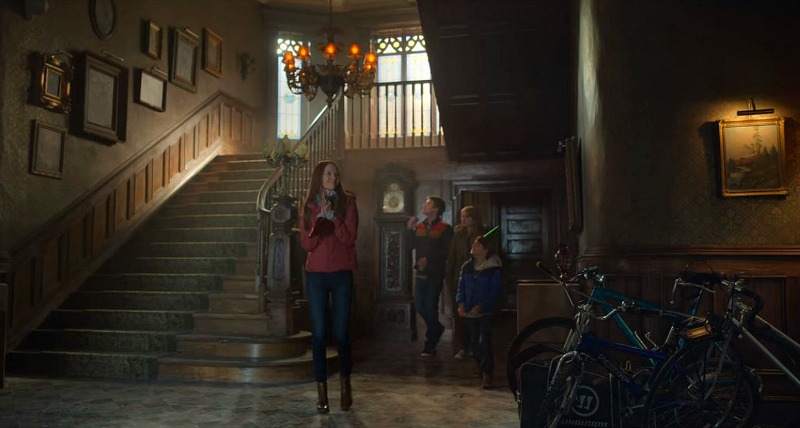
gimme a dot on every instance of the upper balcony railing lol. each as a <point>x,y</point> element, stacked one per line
<point>394,115</point>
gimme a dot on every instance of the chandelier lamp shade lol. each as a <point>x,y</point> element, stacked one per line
<point>357,77</point>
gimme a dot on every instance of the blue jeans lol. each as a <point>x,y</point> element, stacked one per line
<point>426,299</point>
<point>339,285</point>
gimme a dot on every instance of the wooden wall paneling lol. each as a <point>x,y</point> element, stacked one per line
<point>24,286</point>
<point>88,237</point>
<point>160,166</point>
<point>51,266</point>
<point>215,127</point>
<point>773,290</point>
<point>236,124</point>
<point>247,127</point>
<point>202,133</point>
<point>174,160</point>
<point>792,300</point>
<point>148,194</point>
<point>188,148</point>
<point>75,245</point>
<point>227,115</point>
<point>120,204</point>
<point>139,190</point>
<point>99,225</point>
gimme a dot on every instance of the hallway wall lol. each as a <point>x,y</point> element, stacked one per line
<point>29,201</point>
<point>654,77</point>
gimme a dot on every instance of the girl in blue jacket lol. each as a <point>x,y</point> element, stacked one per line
<point>478,290</point>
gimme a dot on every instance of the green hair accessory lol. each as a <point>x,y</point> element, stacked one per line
<point>489,233</point>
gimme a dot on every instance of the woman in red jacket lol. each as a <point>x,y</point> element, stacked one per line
<point>328,229</point>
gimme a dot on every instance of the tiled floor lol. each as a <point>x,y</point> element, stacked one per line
<point>393,387</point>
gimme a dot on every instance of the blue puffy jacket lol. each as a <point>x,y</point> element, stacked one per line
<point>479,287</point>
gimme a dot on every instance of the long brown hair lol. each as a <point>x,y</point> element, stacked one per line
<point>339,207</point>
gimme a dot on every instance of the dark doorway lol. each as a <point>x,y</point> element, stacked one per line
<point>525,235</point>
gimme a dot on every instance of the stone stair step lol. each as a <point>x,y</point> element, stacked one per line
<point>233,324</point>
<point>239,283</point>
<point>200,208</point>
<point>106,365</point>
<point>238,157</point>
<point>297,369</point>
<point>206,220</point>
<point>134,300</point>
<point>204,346</point>
<point>245,174</point>
<point>121,319</point>
<point>100,340</point>
<point>207,234</point>
<point>226,185</point>
<point>220,196</point>
<point>155,282</point>
<point>195,249</point>
<point>237,165</point>
<point>233,303</point>
<point>217,265</point>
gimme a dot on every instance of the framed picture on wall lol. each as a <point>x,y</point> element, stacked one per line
<point>752,157</point>
<point>212,52</point>
<point>183,62</point>
<point>150,88</point>
<point>152,39</point>
<point>102,99</point>
<point>47,149</point>
<point>52,79</point>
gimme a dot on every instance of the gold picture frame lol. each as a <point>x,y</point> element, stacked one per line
<point>47,149</point>
<point>212,52</point>
<point>752,157</point>
<point>52,81</point>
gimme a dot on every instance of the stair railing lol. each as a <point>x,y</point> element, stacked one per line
<point>324,141</point>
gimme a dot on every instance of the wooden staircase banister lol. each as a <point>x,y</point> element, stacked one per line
<point>324,139</point>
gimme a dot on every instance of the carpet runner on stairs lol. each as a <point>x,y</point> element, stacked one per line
<point>177,302</point>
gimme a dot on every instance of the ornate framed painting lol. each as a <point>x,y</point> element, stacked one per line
<point>752,157</point>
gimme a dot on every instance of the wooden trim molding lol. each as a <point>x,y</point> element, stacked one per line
<point>50,264</point>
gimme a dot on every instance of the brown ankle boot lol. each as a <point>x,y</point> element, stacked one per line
<point>486,381</point>
<point>322,397</point>
<point>347,393</point>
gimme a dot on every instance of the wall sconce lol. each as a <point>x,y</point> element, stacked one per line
<point>753,110</point>
<point>31,8</point>
<point>247,64</point>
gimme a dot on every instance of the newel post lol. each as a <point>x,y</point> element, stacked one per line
<point>280,298</point>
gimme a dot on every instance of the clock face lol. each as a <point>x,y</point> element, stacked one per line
<point>104,17</point>
<point>393,199</point>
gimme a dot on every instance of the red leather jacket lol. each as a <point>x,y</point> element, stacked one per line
<point>331,245</point>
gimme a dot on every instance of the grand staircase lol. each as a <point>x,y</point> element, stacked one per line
<point>178,302</point>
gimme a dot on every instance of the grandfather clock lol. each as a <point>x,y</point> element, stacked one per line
<point>394,204</point>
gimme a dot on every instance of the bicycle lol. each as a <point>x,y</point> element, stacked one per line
<point>570,361</point>
<point>670,390</point>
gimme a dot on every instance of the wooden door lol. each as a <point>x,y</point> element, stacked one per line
<point>524,237</point>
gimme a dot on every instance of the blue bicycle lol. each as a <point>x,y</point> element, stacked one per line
<point>578,360</point>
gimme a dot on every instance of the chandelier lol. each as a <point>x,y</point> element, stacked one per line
<point>352,79</point>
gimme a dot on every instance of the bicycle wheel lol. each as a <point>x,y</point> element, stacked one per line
<point>556,333</point>
<point>538,361</point>
<point>560,393</point>
<point>698,386</point>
